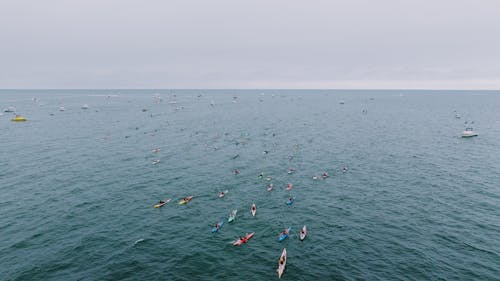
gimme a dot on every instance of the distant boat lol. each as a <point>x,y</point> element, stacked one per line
<point>85,106</point>
<point>469,132</point>
<point>342,102</point>
<point>10,109</point>
<point>457,116</point>
<point>62,108</point>
<point>18,118</point>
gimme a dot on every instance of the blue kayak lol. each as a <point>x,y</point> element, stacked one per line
<point>216,228</point>
<point>290,201</point>
<point>284,236</point>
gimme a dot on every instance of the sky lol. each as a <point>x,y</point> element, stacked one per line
<point>288,44</point>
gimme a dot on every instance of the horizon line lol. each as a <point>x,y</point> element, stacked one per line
<point>250,89</point>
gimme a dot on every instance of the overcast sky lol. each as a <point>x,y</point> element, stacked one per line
<point>431,44</point>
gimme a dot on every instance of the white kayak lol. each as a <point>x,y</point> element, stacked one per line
<point>232,216</point>
<point>222,193</point>
<point>282,263</point>
<point>253,209</point>
<point>303,233</point>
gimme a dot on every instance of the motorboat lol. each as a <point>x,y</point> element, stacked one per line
<point>10,109</point>
<point>85,106</point>
<point>469,132</point>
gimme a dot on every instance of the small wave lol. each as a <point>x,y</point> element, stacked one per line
<point>138,241</point>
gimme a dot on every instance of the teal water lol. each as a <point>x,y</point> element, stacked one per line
<point>417,202</point>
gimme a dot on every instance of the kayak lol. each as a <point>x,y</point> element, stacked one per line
<point>303,233</point>
<point>270,187</point>
<point>284,236</point>
<point>289,186</point>
<point>290,201</point>
<point>159,205</point>
<point>219,226</point>
<point>232,216</point>
<point>282,263</point>
<point>222,193</point>
<point>185,200</point>
<point>18,118</point>
<point>245,239</point>
<point>253,209</point>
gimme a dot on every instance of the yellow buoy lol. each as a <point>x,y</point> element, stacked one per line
<point>18,118</point>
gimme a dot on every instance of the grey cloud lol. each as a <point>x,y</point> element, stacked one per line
<point>239,44</point>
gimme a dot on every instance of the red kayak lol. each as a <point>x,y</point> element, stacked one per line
<point>244,239</point>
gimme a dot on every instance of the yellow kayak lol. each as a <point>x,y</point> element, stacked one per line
<point>161,204</point>
<point>185,200</point>
<point>18,118</point>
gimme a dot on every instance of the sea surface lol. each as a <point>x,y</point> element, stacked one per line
<point>417,202</point>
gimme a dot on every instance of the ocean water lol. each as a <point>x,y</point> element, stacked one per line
<point>418,202</point>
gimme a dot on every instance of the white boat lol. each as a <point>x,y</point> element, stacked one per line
<point>469,132</point>
<point>85,106</point>
<point>10,109</point>
<point>342,102</point>
<point>62,108</point>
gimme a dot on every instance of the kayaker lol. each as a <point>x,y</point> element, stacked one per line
<point>161,202</point>
<point>217,225</point>
<point>282,260</point>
